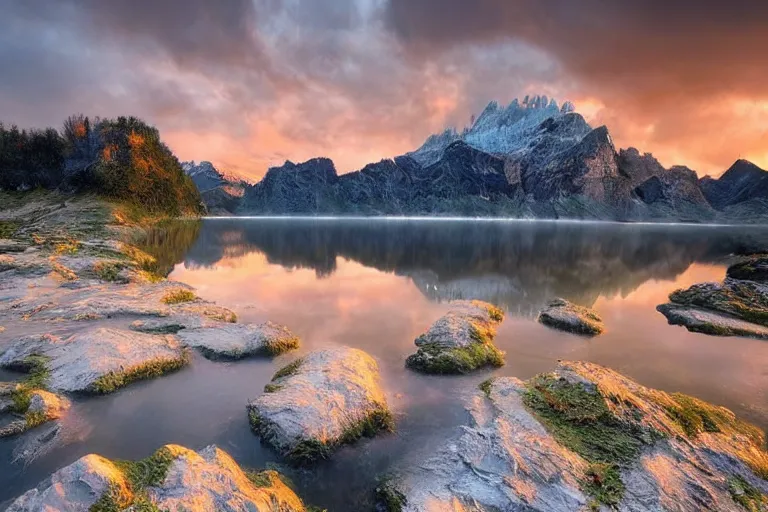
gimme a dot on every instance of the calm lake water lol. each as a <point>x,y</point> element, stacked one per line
<point>376,285</point>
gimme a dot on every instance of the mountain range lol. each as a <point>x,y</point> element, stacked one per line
<point>529,159</point>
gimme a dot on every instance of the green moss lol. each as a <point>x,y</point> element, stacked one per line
<point>260,479</point>
<point>389,498</point>
<point>271,388</point>
<point>108,271</point>
<point>179,296</point>
<point>738,298</point>
<point>288,370</point>
<point>139,475</point>
<point>310,451</point>
<point>433,359</point>
<point>485,386</point>
<point>692,415</point>
<point>281,345</point>
<point>34,419</point>
<point>579,419</point>
<point>746,495</point>
<point>37,378</point>
<point>496,314</point>
<point>603,484</point>
<point>116,380</point>
<point>8,228</point>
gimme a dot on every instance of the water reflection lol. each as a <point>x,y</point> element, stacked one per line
<point>519,266</point>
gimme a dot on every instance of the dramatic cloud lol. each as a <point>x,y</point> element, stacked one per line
<point>248,84</point>
<point>686,79</point>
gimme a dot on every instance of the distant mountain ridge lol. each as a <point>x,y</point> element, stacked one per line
<point>222,192</point>
<point>529,159</point>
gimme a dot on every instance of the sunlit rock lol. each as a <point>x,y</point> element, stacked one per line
<point>586,438</point>
<point>323,400</point>
<point>173,478</point>
<point>460,341</point>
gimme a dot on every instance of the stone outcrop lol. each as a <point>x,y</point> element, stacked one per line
<point>742,182</point>
<point>235,341</point>
<point>735,307</point>
<point>323,400</point>
<point>460,341</point>
<point>98,360</point>
<point>566,316</point>
<point>174,478</point>
<point>587,438</point>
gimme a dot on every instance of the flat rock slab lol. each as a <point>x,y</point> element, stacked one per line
<point>235,341</point>
<point>327,398</point>
<point>566,316</point>
<point>7,245</point>
<point>193,481</point>
<point>710,322</point>
<point>460,341</point>
<point>98,360</point>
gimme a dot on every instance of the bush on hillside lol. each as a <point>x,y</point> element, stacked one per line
<point>122,159</point>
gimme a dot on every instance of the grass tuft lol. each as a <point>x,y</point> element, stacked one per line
<point>179,296</point>
<point>37,378</point>
<point>288,370</point>
<point>8,228</point>
<point>389,498</point>
<point>692,414</point>
<point>113,381</point>
<point>746,495</point>
<point>485,387</point>
<point>108,271</point>
<point>139,475</point>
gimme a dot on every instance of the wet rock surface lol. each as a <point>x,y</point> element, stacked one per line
<point>174,478</point>
<point>325,399</point>
<point>585,437</point>
<point>460,341</point>
<point>566,316</point>
<point>98,360</point>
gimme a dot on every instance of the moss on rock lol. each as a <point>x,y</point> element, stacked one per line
<point>434,359</point>
<point>113,381</point>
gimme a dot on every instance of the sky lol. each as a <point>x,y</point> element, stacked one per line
<point>248,84</point>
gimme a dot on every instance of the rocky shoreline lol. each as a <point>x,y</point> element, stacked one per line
<point>87,313</point>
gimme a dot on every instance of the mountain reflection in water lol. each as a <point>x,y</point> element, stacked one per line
<point>518,265</point>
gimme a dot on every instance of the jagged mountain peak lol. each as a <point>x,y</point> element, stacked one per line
<point>206,176</point>
<point>499,129</point>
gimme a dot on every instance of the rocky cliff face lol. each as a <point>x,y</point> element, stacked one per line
<point>530,159</point>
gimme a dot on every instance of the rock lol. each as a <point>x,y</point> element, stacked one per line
<point>709,322</point>
<point>45,406</point>
<point>585,437</point>
<point>731,308</point>
<point>74,488</point>
<point>7,245</point>
<point>174,478</point>
<point>98,360</point>
<point>742,182</point>
<point>235,341</point>
<point>211,480</point>
<point>328,398</point>
<point>460,341</point>
<point>566,316</point>
<point>754,268</point>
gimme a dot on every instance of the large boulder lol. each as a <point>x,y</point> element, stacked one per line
<point>173,478</point>
<point>460,341</point>
<point>235,341</point>
<point>323,400</point>
<point>586,438</point>
<point>97,360</point>
<point>754,268</point>
<point>566,316</point>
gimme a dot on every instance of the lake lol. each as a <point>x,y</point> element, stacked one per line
<point>376,284</point>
